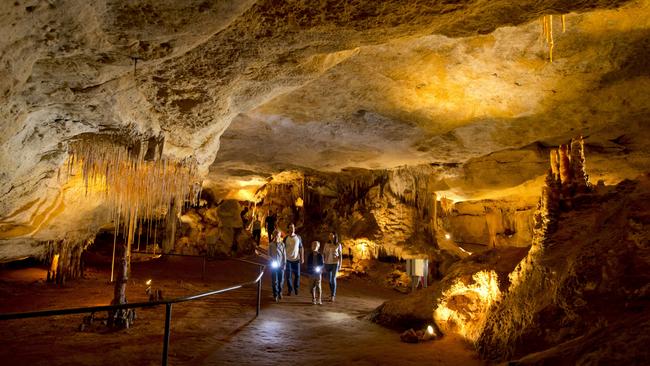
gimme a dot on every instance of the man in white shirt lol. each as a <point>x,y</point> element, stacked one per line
<point>295,257</point>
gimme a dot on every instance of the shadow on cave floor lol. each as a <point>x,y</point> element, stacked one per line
<point>221,330</point>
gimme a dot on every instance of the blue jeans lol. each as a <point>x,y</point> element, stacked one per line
<point>293,273</point>
<point>332,269</point>
<point>277,278</point>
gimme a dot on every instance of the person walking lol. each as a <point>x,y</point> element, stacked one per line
<point>257,231</point>
<point>270,221</point>
<point>278,258</point>
<point>333,256</point>
<point>315,269</point>
<point>295,257</point>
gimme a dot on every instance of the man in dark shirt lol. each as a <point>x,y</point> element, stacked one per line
<point>270,221</point>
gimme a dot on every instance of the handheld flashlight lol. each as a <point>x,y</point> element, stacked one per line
<point>275,264</point>
<point>318,269</point>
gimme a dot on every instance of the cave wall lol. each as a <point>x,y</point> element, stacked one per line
<point>216,229</point>
<point>578,295</point>
<point>492,223</point>
<point>395,212</point>
<point>184,70</point>
<point>581,294</point>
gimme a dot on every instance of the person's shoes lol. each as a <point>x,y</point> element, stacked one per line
<point>320,302</point>
<point>296,292</point>
<point>277,299</point>
<point>313,301</point>
<point>289,293</point>
<point>333,298</point>
<point>280,295</point>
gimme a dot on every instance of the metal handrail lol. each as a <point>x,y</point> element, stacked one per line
<point>167,303</point>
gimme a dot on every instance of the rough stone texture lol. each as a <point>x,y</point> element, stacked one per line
<point>492,223</point>
<point>583,294</point>
<point>416,309</point>
<point>311,84</point>
<point>578,296</point>
<point>215,230</point>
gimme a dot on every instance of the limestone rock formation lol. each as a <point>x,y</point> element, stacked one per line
<point>411,128</point>
<point>582,294</point>
<point>579,289</point>
<point>214,230</point>
<point>370,85</point>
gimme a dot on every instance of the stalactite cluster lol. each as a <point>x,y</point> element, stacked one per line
<point>414,188</point>
<point>138,184</point>
<point>547,32</point>
<point>353,189</point>
<point>65,259</point>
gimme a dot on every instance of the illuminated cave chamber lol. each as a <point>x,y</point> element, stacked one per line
<point>506,144</point>
<point>577,282</point>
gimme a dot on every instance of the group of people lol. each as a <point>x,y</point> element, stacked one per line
<point>287,254</point>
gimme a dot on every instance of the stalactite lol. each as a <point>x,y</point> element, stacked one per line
<point>64,258</point>
<point>135,185</point>
<point>447,205</point>
<point>551,44</point>
<point>547,32</point>
<point>134,188</point>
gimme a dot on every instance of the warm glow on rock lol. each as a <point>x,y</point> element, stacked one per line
<point>243,194</point>
<point>463,307</point>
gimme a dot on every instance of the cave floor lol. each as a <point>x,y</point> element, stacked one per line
<point>220,330</point>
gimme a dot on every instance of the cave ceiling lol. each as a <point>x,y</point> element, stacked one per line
<point>252,88</point>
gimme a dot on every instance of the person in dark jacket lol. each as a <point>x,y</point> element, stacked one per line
<point>270,222</point>
<point>315,268</point>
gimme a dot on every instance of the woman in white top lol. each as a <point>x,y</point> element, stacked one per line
<point>333,258</point>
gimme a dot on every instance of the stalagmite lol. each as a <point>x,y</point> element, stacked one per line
<point>493,223</point>
<point>555,164</point>
<point>565,165</point>
<point>580,177</point>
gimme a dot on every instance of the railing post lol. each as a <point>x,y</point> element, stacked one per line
<point>168,320</point>
<point>259,294</point>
